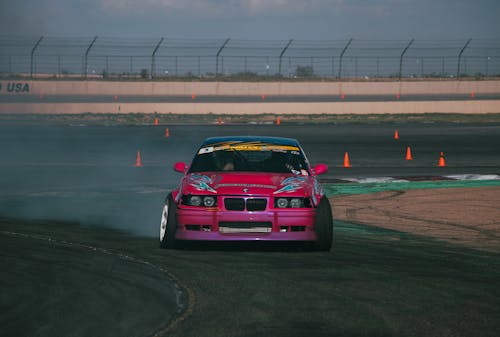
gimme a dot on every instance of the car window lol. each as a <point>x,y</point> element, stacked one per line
<point>243,157</point>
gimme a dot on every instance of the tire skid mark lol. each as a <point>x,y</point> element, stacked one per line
<point>185,297</point>
<point>352,211</point>
<point>393,214</point>
<point>365,210</point>
<point>480,230</point>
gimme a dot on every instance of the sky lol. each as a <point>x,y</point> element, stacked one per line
<point>254,19</point>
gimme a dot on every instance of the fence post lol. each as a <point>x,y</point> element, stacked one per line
<point>401,58</point>
<point>341,57</point>
<point>153,65</point>
<point>33,54</point>
<point>217,57</point>
<point>355,67</point>
<point>282,53</point>
<point>460,57</point>
<point>86,59</point>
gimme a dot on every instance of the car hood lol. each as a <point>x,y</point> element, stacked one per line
<point>248,183</point>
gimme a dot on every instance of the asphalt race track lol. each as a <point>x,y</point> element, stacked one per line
<point>55,287</point>
<point>79,254</point>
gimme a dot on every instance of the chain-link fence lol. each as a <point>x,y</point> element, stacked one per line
<point>163,58</point>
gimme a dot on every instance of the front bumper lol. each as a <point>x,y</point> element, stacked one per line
<point>223,225</point>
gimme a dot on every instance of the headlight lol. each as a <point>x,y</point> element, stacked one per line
<point>199,200</point>
<point>208,201</point>
<point>194,200</point>
<point>282,203</point>
<point>294,202</point>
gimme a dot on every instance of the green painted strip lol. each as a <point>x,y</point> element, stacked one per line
<point>365,188</point>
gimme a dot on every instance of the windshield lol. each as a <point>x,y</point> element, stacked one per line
<point>250,157</point>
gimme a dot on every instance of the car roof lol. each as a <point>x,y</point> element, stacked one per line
<point>264,139</point>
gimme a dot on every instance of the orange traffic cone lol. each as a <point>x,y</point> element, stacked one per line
<point>342,95</point>
<point>278,121</point>
<point>473,95</point>
<point>156,122</point>
<point>193,96</point>
<point>347,163</point>
<point>408,154</point>
<point>396,134</point>
<point>138,162</point>
<point>442,162</point>
<point>167,133</point>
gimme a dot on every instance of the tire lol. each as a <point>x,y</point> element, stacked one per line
<point>168,224</point>
<point>324,226</point>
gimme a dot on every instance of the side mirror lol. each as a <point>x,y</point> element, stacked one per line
<point>180,167</point>
<point>320,169</point>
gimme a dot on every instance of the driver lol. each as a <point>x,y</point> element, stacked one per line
<point>224,161</point>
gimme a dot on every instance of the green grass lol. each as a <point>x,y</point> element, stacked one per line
<point>339,189</point>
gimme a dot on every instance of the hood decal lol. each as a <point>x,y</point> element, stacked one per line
<point>273,183</point>
<point>291,184</point>
<point>201,183</point>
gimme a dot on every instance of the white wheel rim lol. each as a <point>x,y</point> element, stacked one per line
<point>163,224</point>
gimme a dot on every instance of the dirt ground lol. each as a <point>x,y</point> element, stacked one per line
<point>465,216</point>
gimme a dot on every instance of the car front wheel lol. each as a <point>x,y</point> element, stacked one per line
<point>168,225</point>
<point>324,226</point>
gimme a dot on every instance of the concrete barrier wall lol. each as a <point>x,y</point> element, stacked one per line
<point>253,88</point>
<point>246,88</point>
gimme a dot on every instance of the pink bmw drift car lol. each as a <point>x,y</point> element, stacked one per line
<point>247,189</point>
